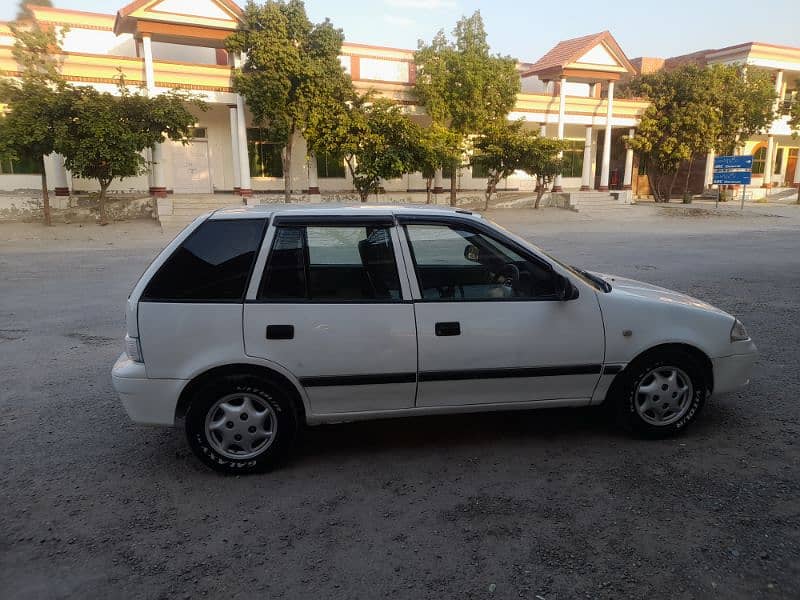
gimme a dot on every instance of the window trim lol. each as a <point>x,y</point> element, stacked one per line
<point>476,227</point>
<point>195,231</point>
<point>304,221</point>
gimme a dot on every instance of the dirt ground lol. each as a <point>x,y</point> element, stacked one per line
<point>550,504</point>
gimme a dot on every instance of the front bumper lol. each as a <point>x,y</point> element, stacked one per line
<point>147,401</point>
<point>732,372</point>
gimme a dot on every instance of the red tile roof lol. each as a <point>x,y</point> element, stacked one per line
<point>568,51</point>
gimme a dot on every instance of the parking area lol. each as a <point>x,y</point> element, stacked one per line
<point>543,504</point>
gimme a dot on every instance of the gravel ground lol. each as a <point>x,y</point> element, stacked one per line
<point>545,504</point>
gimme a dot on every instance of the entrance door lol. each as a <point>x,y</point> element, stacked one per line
<point>791,165</point>
<point>491,329</point>
<point>191,168</point>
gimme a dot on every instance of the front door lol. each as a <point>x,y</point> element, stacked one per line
<point>791,165</point>
<point>333,307</point>
<point>490,328</point>
<point>191,172</point>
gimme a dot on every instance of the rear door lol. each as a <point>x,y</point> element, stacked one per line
<point>333,306</point>
<point>490,325</point>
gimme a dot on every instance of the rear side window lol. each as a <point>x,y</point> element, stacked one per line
<point>331,263</point>
<point>212,265</point>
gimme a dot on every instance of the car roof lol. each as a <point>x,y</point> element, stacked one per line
<point>335,209</point>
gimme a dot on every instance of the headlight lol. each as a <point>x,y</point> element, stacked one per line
<point>738,332</point>
<point>133,349</point>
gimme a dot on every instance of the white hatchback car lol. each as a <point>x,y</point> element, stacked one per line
<point>254,321</point>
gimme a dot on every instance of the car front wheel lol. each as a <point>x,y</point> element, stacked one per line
<point>241,424</point>
<point>661,393</point>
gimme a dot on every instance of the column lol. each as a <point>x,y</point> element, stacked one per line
<point>586,174</point>
<point>59,175</point>
<point>234,125</point>
<point>627,177</point>
<point>437,182</point>
<point>542,129</point>
<point>779,89</point>
<point>157,185</point>
<point>562,105</point>
<point>313,180</point>
<point>244,160</point>
<point>708,179</point>
<point>768,162</point>
<point>605,166</point>
<point>149,74</point>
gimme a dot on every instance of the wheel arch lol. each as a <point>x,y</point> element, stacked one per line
<point>701,357</point>
<point>189,390</point>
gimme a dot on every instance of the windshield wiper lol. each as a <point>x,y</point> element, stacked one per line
<point>604,285</point>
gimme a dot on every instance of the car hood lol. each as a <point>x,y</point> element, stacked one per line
<point>654,293</point>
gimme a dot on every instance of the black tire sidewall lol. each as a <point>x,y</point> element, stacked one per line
<point>627,413</point>
<point>279,401</point>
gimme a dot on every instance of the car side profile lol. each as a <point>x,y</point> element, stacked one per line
<point>256,321</point>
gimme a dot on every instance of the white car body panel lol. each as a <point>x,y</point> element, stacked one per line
<point>180,341</point>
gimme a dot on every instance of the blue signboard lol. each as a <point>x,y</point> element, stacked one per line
<point>733,170</point>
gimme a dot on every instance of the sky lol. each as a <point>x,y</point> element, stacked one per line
<point>528,28</point>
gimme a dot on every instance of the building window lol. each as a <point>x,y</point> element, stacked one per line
<point>573,159</point>
<point>264,155</point>
<point>759,160</point>
<point>479,169</point>
<point>25,165</point>
<point>778,161</point>
<point>329,165</point>
<point>198,132</point>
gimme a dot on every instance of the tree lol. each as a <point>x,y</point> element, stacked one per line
<point>102,136</point>
<point>544,161</point>
<point>376,139</point>
<point>435,148</point>
<point>462,86</point>
<point>693,110</point>
<point>24,12</point>
<point>291,73</point>
<point>27,126</point>
<point>501,149</point>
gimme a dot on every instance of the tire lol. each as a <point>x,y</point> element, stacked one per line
<point>660,394</point>
<point>241,424</point>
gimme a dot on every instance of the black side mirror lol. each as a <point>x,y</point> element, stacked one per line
<point>564,289</point>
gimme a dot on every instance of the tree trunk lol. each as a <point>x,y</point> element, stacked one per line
<point>688,175</point>
<point>45,196</point>
<point>487,195</point>
<point>651,183</point>
<point>286,161</point>
<point>101,202</point>
<point>364,195</point>
<point>428,183</point>
<point>540,188</point>
<point>671,186</point>
<point>453,187</point>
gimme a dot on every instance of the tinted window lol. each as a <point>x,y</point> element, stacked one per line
<point>212,264</point>
<point>454,263</point>
<point>344,263</point>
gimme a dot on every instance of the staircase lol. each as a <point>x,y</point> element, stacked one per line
<point>176,212</point>
<point>596,202</point>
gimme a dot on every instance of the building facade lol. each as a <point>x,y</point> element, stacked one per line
<point>169,44</point>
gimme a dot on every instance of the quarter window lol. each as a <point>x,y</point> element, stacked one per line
<point>454,263</point>
<point>335,263</point>
<point>212,265</point>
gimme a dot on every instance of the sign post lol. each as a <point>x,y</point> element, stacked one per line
<point>733,170</point>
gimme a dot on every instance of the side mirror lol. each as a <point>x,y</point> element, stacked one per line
<point>472,253</point>
<point>564,289</point>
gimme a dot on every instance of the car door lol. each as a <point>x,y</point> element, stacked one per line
<point>491,329</point>
<point>333,306</point>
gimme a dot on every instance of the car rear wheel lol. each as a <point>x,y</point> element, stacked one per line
<point>241,424</point>
<point>660,394</point>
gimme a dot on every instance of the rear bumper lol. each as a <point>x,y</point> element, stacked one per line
<point>732,373</point>
<point>147,401</point>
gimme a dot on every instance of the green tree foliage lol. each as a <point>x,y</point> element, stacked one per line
<point>102,136</point>
<point>24,12</point>
<point>693,110</point>
<point>27,125</point>
<point>377,140</point>
<point>291,75</point>
<point>463,87</point>
<point>435,148</point>
<point>504,148</point>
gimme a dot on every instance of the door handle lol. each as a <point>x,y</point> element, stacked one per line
<point>280,332</point>
<point>447,328</point>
